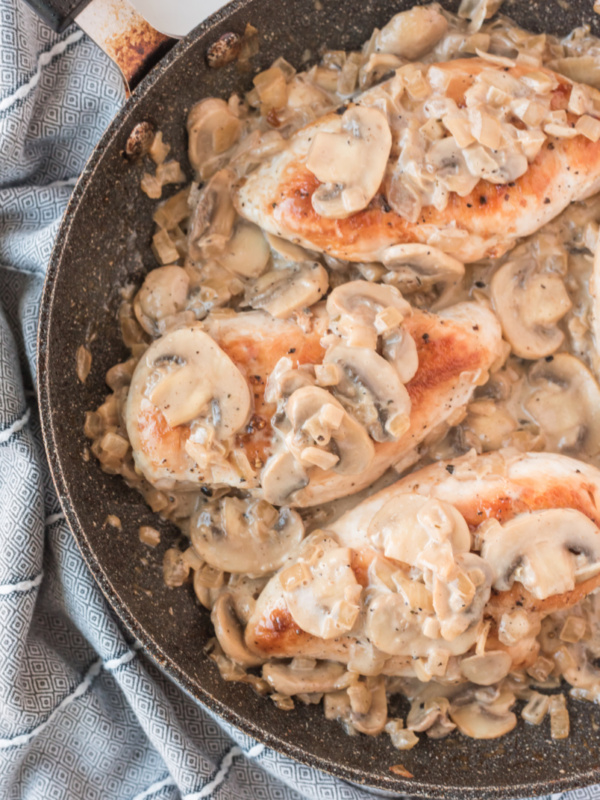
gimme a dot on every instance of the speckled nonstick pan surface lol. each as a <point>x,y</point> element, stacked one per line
<point>103,243</point>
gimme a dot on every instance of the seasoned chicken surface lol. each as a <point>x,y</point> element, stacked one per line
<point>509,156</point>
<point>518,532</point>
<point>180,441</point>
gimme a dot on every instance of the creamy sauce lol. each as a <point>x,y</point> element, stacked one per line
<point>310,388</point>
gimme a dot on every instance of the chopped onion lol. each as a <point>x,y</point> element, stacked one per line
<point>149,535</point>
<point>84,363</point>
<point>536,708</point>
<point>402,739</point>
<point>559,717</point>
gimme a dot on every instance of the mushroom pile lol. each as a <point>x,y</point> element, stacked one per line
<point>270,384</point>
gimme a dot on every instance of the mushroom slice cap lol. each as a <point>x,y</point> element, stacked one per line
<point>373,722</point>
<point>485,721</point>
<point>348,439</point>
<point>417,266</point>
<point>529,305</point>
<point>488,668</point>
<point>185,375</point>
<point>248,253</point>
<point>163,293</point>
<point>281,477</point>
<point>353,308</point>
<point>212,129</point>
<point>410,34</point>
<point>566,404</point>
<point>246,537</point>
<point>548,551</point>
<point>408,523</point>
<point>372,391</point>
<point>230,634</point>
<point>288,680</point>
<point>361,136</point>
<point>321,590</point>
<point>283,291</point>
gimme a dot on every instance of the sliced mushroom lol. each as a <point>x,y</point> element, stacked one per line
<point>400,349</point>
<point>548,551</point>
<point>408,523</point>
<point>286,379</point>
<point>410,34</point>
<point>371,390</point>
<point>460,597</point>
<point>245,536</point>
<point>423,715</point>
<point>212,129</point>
<point>163,294</point>
<point>321,590</point>
<point>566,404</point>
<point>361,136</point>
<point>281,476</point>
<point>288,250</point>
<point>247,254</point>
<point>419,266</point>
<point>529,304</point>
<point>290,679</point>
<point>451,169</point>
<point>485,720</point>
<point>186,375</point>
<point>373,722</point>
<point>213,218</point>
<point>283,291</point>
<point>488,668</point>
<point>230,634</point>
<point>319,421</point>
<point>355,310</point>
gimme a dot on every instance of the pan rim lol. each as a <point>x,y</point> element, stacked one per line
<point>150,647</point>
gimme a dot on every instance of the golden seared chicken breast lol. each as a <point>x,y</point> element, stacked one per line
<point>447,574</point>
<point>467,156</point>
<point>309,409</point>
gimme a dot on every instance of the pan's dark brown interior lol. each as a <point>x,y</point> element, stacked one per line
<point>103,243</point>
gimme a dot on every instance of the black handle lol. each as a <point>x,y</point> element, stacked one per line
<point>58,13</point>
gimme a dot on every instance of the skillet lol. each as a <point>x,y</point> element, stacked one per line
<point>103,243</point>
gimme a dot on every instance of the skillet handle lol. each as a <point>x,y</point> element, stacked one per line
<point>115,25</point>
<point>57,13</point>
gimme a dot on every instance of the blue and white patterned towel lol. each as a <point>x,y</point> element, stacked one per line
<point>83,714</point>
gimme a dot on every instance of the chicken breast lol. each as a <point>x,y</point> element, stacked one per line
<point>216,426</point>
<point>518,532</point>
<point>467,156</point>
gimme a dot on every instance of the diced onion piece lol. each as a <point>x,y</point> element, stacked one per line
<point>541,669</point>
<point>501,61</point>
<point>573,630</point>
<point>486,129</point>
<point>561,131</point>
<point>114,521</point>
<point>580,101</point>
<point>401,738</point>
<point>540,82</point>
<point>170,172</point>
<point>271,87</point>
<point>149,535</point>
<point>559,717</point>
<point>173,211</point>
<point>175,570</point>
<point>315,456</point>
<point>151,186</point>
<point>564,660</point>
<point>159,150</point>
<point>536,708</point>
<point>589,127</point>
<point>460,128</point>
<point>163,248</point>
<point>84,363</point>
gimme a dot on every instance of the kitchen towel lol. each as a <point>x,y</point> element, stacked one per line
<point>84,715</point>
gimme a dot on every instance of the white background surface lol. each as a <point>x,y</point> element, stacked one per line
<point>176,17</point>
